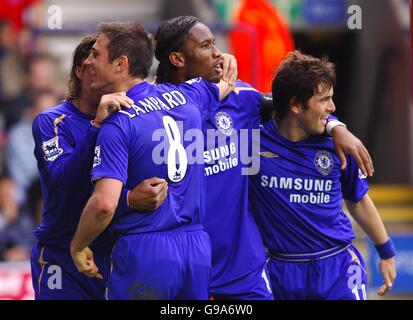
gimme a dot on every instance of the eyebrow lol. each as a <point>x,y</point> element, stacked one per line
<point>329,96</point>
<point>208,40</point>
<point>212,39</point>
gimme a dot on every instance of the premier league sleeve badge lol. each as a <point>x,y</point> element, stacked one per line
<point>51,149</point>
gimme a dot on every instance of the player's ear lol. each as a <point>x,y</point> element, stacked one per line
<point>122,63</point>
<point>78,71</point>
<point>295,106</point>
<point>177,59</point>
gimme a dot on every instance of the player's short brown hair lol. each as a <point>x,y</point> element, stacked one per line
<point>298,78</point>
<point>132,40</point>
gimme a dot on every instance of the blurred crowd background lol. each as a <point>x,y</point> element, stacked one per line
<point>373,94</point>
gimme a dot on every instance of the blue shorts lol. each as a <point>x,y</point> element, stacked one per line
<point>335,274</point>
<point>253,286</point>
<point>55,276</point>
<point>168,265</point>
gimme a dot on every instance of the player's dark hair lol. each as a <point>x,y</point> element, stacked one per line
<point>298,78</point>
<point>170,37</point>
<point>132,40</point>
<point>79,57</point>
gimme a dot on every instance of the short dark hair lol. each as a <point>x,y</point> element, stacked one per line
<point>132,40</point>
<point>171,36</point>
<point>80,55</point>
<point>298,77</point>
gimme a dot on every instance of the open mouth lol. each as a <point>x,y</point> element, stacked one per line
<point>324,119</point>
<point>218,67</point>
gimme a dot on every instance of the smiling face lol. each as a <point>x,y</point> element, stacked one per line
<point>102,72</point>
<point>86,77</point>
<point>202,57</point>
<point>313,117</point>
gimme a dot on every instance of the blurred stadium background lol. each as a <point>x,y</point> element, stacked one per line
<point>373,95</point>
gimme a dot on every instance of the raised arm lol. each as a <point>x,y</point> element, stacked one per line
<point>229,75</point>
<point>345,143</point>
<point>229,68</point>
<point>68,156</point>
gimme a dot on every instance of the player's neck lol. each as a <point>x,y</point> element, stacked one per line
<point>87,105</point>
<point>176,78</point>
<point>290,129</point>
<point>127,83</point>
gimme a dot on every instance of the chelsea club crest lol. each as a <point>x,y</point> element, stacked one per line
<point>324,162</point>
<point>224,123</point>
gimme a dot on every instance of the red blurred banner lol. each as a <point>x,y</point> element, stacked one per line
<point>16,281</point>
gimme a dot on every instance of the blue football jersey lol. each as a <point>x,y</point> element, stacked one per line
<point>160,136</point>
<point>297,196</point>
<point>237,248</point>
<point>64,143</point>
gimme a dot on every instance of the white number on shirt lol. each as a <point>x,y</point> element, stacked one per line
<point>176,151</point>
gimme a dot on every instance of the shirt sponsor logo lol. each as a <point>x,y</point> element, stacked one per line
<point>96,159</point>
<point>312,191</point>
<point>324,162</point>
<point>226,156</point>
<point>51,149</point>
<point>224,123</point>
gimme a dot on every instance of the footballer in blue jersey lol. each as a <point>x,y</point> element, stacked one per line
<point>165,254</point>
<point>65,139</point>
<point>238,255</point>
<point>186,48</point>
<point>63,165</point>
<point>298,194</point>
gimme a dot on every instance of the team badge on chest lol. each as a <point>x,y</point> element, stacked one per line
<point>224,123</point>
<point>324,162</point>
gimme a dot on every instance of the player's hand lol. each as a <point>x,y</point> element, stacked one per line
<point>148,195</point>
<point>84,263</point>
<point>229,69</point>
<point>388,271</point>
<point>111,103</point>
<point>346,143</point>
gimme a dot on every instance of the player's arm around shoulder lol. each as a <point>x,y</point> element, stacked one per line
<point>109,104</point>
<point>367,216</point>
<point>148,195</point>
<point>346,143</point>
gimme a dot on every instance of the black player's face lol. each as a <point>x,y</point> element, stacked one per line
<point>314,118</point>
<point>102,71</point>
<point>202,57</point>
